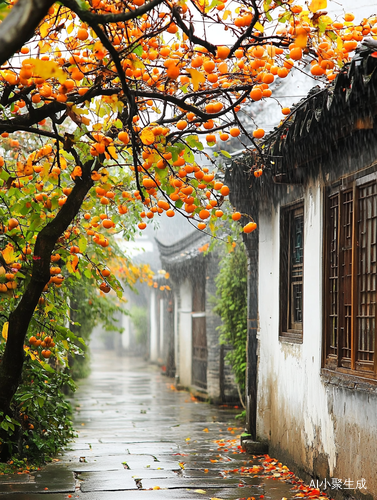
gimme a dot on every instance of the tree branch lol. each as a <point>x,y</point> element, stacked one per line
<point>91,18</point>
<point>190,32</point>
<point>249,30</point>
<point>20,25</point>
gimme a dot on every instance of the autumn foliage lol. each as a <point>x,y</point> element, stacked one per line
<point>105,105</point>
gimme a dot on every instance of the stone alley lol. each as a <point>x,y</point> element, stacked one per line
<point>139,438</point>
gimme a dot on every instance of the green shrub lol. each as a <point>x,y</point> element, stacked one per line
<point>231,306</point>
<point>139,318</point>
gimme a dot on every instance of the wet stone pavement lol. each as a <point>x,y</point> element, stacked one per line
<point>138,438</point>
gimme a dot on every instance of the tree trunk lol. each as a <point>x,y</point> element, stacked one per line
<point>13,359</point>
<point>20,25</point>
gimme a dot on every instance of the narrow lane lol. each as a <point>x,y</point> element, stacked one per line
<point>139,438</point>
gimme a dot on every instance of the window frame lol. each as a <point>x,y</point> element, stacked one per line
<point>289,329</point>
<point>335,361</point>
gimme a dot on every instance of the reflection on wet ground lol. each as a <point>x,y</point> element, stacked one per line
<point>139,438</point>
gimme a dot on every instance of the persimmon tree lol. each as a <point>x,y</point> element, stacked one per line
<point>119,96</point>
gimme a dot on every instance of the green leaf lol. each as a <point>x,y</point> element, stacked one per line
<point>225,153</point>
<point>331,35</point>
<point>4,175</point>
<point>36,221</point>
<point>82,244</point>
<point>4,11</point>
<point>193,141</point>
<point>47,367</point>
<point>82,4</point>
<point>285,17</point>
<point>179,203</point>
<point>189,155</point>
<point>87,273</point>
<point>138,50</point>
<point>25,397</point>
<point>212,5</point>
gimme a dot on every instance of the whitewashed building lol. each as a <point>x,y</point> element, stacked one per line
<point>312,360</point>
<point>185,334</point>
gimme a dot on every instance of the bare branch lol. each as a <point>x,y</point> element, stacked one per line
<point>190,32</point>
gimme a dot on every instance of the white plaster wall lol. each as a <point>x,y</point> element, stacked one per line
<point>185,334</point>
<point>153,326</point>
<point>125,337</point>
<point>290,388</point>
<point>162,329</point>
<point>297,412</point>
<point>176,334</point>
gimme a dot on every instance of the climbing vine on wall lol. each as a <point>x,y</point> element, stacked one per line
<point>231,306</point>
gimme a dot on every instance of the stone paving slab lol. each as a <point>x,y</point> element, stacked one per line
<point>100,480</point>
<point>118,462</point>
<point>51,480</point>
<point>106,481</point>
<point>92,464</point>
<point>203,482</point>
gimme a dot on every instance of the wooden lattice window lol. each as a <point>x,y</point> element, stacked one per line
<point>291,272</point>
<point>350,278</point>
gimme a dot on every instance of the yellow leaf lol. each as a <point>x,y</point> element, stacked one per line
<point>5,330</point>
<point>301,41</point>
<point>47,69</point>
<point>112,152</point>
<point>259,27</point>
<point>200,491</point>
<point>79,111</point>
<point>316,5</point>
<point>70,29</point>
<point>8,254</point>
<point>147,136</point>
<point>65,345</point>
<point>215,498</point>
<point>196,78</point>
<point>326,20</point>
<point>72,263</point>
<point>44,30</point>
<point>227,13</point>
<point>44,47</point>
<point>28,351</point>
